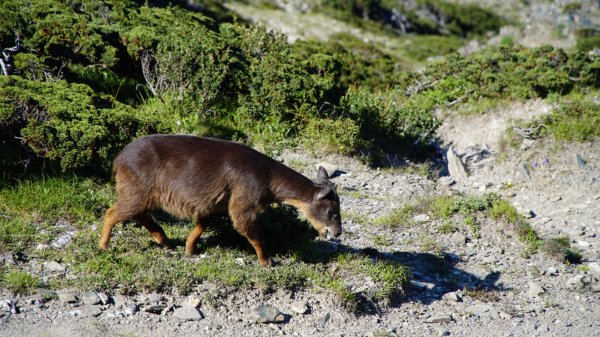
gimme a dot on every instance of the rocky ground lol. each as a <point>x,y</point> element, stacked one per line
<point>487,286</point>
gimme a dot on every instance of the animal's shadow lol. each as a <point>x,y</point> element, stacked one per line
<point>431,275</point>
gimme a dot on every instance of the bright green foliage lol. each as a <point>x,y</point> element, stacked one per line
<point>501,209</point>
<point>445,17</point>
<point>386,118</point>
<point>19,282</point>
<point>513,73</point>
<point>588,39</point>
<point>331,135</point>
<point>66,123</point>
<point>577,118</point>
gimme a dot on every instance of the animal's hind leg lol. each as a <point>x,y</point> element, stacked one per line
<point>193,237</point>
<point>113,216</point>
<point>245,223</point>
<point>157,232</point>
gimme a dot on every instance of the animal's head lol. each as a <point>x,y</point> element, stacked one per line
<point>324,210</point>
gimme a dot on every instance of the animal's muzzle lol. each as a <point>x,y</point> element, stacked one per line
<point>335,231</point>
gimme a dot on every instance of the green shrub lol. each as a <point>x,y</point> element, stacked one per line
<point>575,119</point>
<point>330,135</point>
<point>587,39</point>
<point>64,123</point>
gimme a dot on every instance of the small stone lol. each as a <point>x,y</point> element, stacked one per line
<point>8,306</point>
<point>577,283</point>
<point>505,315</point>
<point>54,267</point>
<point>131,309</point>
<point>268,314</point>
<point>103,298</point>
<point>422,285</point>
<point>439,319</point>
<point>594,268</point>
<point>155,309</point>
<point>489,260</point>
<point>92,310</point>
<point>240,261</point>
<point>41,246</point>
<point>91,298</point>
<point>555,198</point>
<point>478,309</point>
<point>458,238</point>
<point>452,297</point>
<point>551,271</point>
<point>446,181</point>
<point>188,313</point>
<point>47,295</point>
<point>444,333</point>
<point>523,172</point>
<point>421,218</point>
<point>455,165</point>
<point>299,307</point>
<point>119,300</point>
<point>323,320</point>
<point>67,297</point>
<point>580,162</point>
<point>152,298</point>
<point>192,301</point>
<point>535,290</point>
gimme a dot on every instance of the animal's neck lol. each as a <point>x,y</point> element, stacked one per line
<point>288,185</point>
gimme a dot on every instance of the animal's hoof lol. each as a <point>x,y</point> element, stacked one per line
<point>266,262</point>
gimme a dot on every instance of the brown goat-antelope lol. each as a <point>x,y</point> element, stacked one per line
<point>194,177</point>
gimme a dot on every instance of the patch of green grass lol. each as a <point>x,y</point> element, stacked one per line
<point>355,216</point>
<point>501,209</point>
<point>447,227</point>
<point>444,206</point>
<point>527,235</point>
<point>575,119</point>
<point>134,263</point>
<point>381,240</point>
<point>560,249</point>
<point>480,294</point>
<point>391,277</point>
<point>30,209</point>
<point>398,218</point>
<point>20,282</point>
<point>471,222</point>
<point>430,245</point>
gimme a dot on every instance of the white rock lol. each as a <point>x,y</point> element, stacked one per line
<point>421,218</point>
<point>455,166</point>
<point>535,289</point>
<point>452,297</point>
<point>439,319</point>
<point>577,282</point>
<point>594,268</point>
<point>54,267</point>
<point>192,301</point>
<point>188,313</point>
<point>299,307</point>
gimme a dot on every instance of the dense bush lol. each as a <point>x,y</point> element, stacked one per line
<point>92,75</point>
<point>422,16</point>
<point>66,123</point>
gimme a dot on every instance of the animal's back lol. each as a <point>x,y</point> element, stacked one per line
<point>188,176</point>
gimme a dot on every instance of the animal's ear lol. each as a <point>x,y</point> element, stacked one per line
<point>322,176</point>
<point>323,191</point>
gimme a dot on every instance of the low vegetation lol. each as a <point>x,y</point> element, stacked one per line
<point>39,212</point>
<point>470,211</point>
